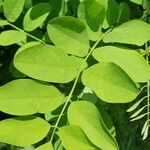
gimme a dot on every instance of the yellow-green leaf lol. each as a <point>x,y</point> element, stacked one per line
<point>69,34</point>
<point>23,131</point>
<point>85,115</point>
<point>13,9</point>
<point>134,32</point>
<point>26,96</point>
<point>46,146</point>
<point>129,60</point>
<point>110,83</point>
<point>10,37</point>
<point>47,63</point>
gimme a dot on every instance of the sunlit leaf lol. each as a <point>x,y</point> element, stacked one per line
<point>129,60</point>
<point>47,63</point>
<point>69,34</point>
<point>74,137</point>
<point>145,133</point>
<point>139,117</point>
<point>137,112</point>
<point>144,127</point>
<point>26,96</point>
<point>13,9</point>
<point>23,131</point>
<point>134,32</point>
<point>137,1</point>
<point>134,106</point>
<point>3,22</point>
<point>110,83</point>
<point>10,37</point>
<point>47,146</point>
<point>91,123</point>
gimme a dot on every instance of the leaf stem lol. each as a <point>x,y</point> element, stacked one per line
<point>75,83</point>
<point>33,37</point>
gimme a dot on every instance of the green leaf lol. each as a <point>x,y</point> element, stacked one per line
<point>145,135</point>
<point>106,117</point>
<point>26,96</point>
<point>13,9</point>
<point>58,145</point>
<point>1,6</point>
<point>52,69</point>
<point>112,12</point>
<point>140,2</point>
<point>144,127</point>
<point>74,137</point>
<point>134,32</point>
<point>27,45</point>
<point>69,34</point>
<point>138,117</point>
<point>124,12</point>
<point>10,37</point>
<point>134,106</point>
<point>3,22</point>
<point>88,95</point>
<point>47,146</point>
<point>91,123</point>
<point>129,60</point>
<point>14,72</point>
<point>23,131</point>
<point>138,112</point>
<point>110,83</point>
<point>73,4</point>
<point>36,15</point>
<point>28,4</point>
<point>92,13</point>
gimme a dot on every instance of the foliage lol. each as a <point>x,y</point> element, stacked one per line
<point>67,70</point>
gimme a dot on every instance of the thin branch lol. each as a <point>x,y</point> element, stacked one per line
<point>28,34</point>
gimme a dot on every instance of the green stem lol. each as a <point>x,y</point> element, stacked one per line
<point>74,85</point>
<point>148,89</point>
<point>148,99</point>
<point>33,37</point>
